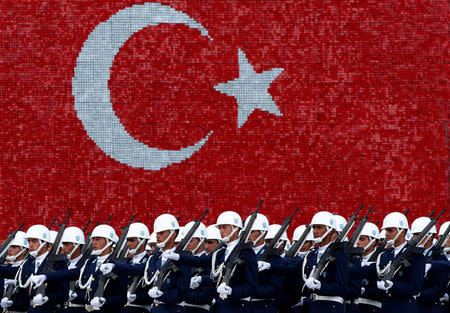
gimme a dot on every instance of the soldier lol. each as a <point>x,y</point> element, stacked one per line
<point>15,298</point>
<point>399,292</point>
<point>370,297</point>
<point>72,241</point>
<point>269,285</point>
<point>213,238</point>
<point>273,229</point>
<point>114,290</point>
<point>435,281</point>
<point>446,252</point>
<point>151,244</point>
<point>235,296</point>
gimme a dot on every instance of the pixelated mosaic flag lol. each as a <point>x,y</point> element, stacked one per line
<point>149,107</point>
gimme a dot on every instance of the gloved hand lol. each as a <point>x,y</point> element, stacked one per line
<point>384,285</point>
<point>98,302</point>
<point>6,303</point>
<point>107,268</point>
<point>9,282</point>
<point>130,297</point>
<point>363,290</point>
<point>427,267</point>
<point>312,283</point>
<point>444,298</point>
<point>195,282</point>
<point>38,280</point>
<point>263,266</point>
<point>155,293</point>
<point>72,295</point>
<point>39,300</point>
<point>168,254</point>
<point>223,289</point>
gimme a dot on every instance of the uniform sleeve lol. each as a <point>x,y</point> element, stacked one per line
<point>413,284</point>
<point>337,285</point>
<point>174,293</point>
<point>249,281</point>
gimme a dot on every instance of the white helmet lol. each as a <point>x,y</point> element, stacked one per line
<point>53,235</point>
<point>165,222</point>
<point>73,235</point>
<point>20,241</point>
<point>323,218</point>
<point>179,236</point>
<point>261,223</point>
<point>38,232</point>
<point>152,238</point>
<point>370,230</point>
<point>395,220</point>
<point>287,246</point>
<point>229,218</point>
<point>420,223</point>
<point>212,233</point>
<point>339,223</point>
<point>298,232</point>
<point>105,231</point>
<point>273,230</point>
<point>382,234</point>
<point>138,230</point>
<point>443,228</point>
<point>200,232</point>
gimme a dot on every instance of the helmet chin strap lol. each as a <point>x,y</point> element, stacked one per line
<point>263,233</point>
<point>424,240</point>
<point>227,238</point>
<point>198,246</point>
<point>369,244</point>
<point>98,252</point>
<point>69,256</point>
<point>35,252</point>
<point>135,250</point>
<point>319,240</point>
<point>163,244</point>
<point>12,258</point>
<point>392,241</point>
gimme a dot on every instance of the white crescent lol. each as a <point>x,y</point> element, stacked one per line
<point>92,96</point>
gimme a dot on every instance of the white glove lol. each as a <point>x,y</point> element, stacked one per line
<point>9,282</point>
<point>263,266</point>
<point>38,279</point>
<point>427,267</point>
<point>6,303</point>
<point>312,283</point>
<point>168,254</point>
<point>384,285</point>
<point>444,298</point>
<point>107,268</point>
<point>223,289</point>
<point>98,302</point>
<point>131,297</point>
<point>155,293</point>
<point>363,290</point>
<point>72,295</point>
<point>195,282</point>
<point>39,299</point>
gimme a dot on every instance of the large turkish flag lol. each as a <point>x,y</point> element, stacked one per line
<point>335,103</point>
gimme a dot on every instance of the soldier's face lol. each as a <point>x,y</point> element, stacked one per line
<point>319,230</point>
<point>225,230</point>
<point>67,247</point>
<point>193,244</point>
<point>210,244</point>
<point>132,243</point>
<point>162,235</point>
<point>33,243</point>
<point>98,243</point>
<point>391,232</point>
<point>306,246</point>
<point>363,241</point>
<point>13,250</point>
<point>254,234</point>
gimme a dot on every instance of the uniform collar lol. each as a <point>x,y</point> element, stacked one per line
<point>73,263</point>
<point>138,257</point>
<point>41,258</point>
<point>399,248</point>
<point>103,258</point>
<point>258,248</point>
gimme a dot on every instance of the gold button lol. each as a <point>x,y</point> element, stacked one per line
<point>90,289</point>
<point>156,304</point>
<point>93,279</point>
<point>389,295</point>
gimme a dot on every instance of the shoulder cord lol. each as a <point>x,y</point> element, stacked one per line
<point>18,277</point>
<point>381,272</point>
<point>215,272</point>
<point>146,281</point>
<point>88,283</point>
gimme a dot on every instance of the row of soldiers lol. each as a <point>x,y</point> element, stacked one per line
<point>231,266</point>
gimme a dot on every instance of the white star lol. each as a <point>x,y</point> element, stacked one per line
<point>251,89</point>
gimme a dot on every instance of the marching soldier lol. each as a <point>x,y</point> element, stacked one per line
<point>213,238</point>
<point>15,299</point>
<point>435,281</point>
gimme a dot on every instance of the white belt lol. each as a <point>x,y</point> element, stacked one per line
<point>368,301</point>
<point>315,297</point>
<point>73,305</point>
<point>91,308</point>
<point>199,306</point>
<point>246,299</point>
<point>160,302</point>
<point>252,299</point>
<point>146,307</point>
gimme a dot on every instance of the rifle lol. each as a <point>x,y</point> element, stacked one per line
<point>380,248</point>
<point>351,245</point>
<point>108,219</point>
<point>439,245</point>
<point>113,257</point>
<point>137,278</point>
<point>334,246</point>
<point>85,226</point>
<point>292,252</point>
<point>265,255</point>
<point>403,260</point>
<point>234,260</point>
<point>51,224</point>
<point>52,256</point>
<point>169,265</point>
<point>5,245</point>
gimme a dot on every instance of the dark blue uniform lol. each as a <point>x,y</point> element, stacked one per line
<point>371,300</point>
<point>115,292</point>
<point>19,296</point>
<point>199,300</point>
<point>355,284</point>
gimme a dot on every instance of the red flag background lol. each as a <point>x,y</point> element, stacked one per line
<point>363,97</point>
